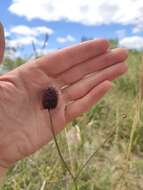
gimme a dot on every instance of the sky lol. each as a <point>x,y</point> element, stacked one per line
<point>66,22</point>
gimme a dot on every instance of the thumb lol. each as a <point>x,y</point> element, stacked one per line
<point>2,42</point>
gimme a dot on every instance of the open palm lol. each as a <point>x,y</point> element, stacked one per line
<point>81,74</point>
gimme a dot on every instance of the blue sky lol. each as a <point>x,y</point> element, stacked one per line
<point>67,21</point>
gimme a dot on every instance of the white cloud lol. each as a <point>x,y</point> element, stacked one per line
<point>43,30</point>
<point>139,23</point>
<point>138,29</point>
<point>22,30</point>
<point>30,31</point>
<point>65,39</point>
<point>89,12</point>
<point>21,41</point>
<point>121,33</point>
<point>133,42</point>
<point>25,35</point>
<point>6,33</point>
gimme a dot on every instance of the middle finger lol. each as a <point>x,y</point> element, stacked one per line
<point>93,65</point>
<point>81,88</point>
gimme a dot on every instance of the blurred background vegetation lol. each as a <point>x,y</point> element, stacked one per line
<point>112,131</point>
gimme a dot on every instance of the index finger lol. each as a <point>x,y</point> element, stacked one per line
<point>66,58</point>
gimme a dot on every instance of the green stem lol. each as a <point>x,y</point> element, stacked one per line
<point>59,152</point>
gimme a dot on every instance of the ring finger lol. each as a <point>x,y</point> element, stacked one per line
<point>82,87</point>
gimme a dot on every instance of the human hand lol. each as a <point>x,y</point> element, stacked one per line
<point>85,70</point>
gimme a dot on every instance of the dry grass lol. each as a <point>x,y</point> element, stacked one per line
<point>116,165</point>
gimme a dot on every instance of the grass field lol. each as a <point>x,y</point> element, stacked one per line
<point>112,132</point>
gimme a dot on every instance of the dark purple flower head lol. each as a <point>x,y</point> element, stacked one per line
<point>50,98</point>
